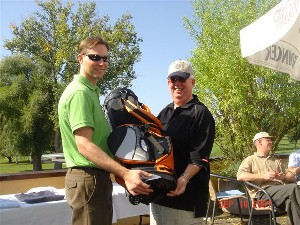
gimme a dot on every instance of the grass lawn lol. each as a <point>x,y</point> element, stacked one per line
<point>286,147</point>
<point>24,164</point>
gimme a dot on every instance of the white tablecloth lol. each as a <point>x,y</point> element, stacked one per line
<point>123,208</point>
<point>59,213</point>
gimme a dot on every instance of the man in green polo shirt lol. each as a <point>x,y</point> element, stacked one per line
<point>84,132</point>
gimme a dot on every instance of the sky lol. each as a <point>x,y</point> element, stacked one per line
<point>158,22</point>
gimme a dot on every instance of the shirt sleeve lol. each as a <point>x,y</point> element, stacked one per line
<point>293,160</point>
<point>245,167</point>
<point>203,134</point>
<point>80,111</point>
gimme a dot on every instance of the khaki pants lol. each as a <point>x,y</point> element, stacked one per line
<point>89,194</point>
<point>161,215</point>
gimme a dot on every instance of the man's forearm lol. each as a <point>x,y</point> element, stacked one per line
<point>291,174</point>
<point>97,156</point>
<point>250,177</point>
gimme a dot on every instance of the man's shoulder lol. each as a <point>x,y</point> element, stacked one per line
<point>200,109</point>
<point>248,161</point>
<point>295,154</point>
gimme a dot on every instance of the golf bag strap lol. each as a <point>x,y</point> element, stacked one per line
<point>159,148</point>
<point>144,115</point>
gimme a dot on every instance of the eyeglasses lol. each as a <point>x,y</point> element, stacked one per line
<point>177,78</point>
<point>267,139</point>
<point>97,58</point>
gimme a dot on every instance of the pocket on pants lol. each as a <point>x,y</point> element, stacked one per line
<point>79,190</point>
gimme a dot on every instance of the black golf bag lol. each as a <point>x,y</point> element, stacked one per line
<point>137,141</point>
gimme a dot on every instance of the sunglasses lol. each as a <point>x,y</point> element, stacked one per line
<point>97,58</point>
<point>177,78</point>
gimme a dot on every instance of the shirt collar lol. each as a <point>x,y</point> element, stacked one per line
<point>261,156</point>
<point>81,79</point>
<point>193,101</point>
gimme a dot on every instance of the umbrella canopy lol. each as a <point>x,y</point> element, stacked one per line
<point>273,40</point>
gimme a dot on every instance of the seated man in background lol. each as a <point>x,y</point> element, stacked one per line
<point>265,171</point>
<point>293,172</point>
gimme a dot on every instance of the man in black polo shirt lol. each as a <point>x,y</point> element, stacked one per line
<point>192,129</point>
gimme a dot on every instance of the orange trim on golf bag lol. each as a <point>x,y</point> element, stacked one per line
<point>144,115</point>
<point>163,164</point>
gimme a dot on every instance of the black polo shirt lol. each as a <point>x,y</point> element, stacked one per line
<point>192,131</point>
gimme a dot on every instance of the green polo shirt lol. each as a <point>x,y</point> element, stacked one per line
<point>79,106</point>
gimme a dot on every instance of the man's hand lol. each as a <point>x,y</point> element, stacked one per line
<point>134,184</point>
<point>269,175</point>
<point>180,187</point>
<point>273,175</point>
<point>280,176</point>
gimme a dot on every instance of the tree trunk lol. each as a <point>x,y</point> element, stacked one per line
<point>57,142</point>
<point>36,162</point>
<point>9,159</point>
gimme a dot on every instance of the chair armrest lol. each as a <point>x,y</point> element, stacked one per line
<point>260,189</point>
<point>236,184</point>
<point>234,180</point>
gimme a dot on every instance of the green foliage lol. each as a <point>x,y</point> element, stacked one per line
<point>31,83</point>
<point>243,98</point>
<point>294,135</point>
<point>231,168</point>
<point>225,166</point>
<point>52,35</point>
<point>24,102</point>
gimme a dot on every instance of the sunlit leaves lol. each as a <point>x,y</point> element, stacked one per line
<point>244,99</point>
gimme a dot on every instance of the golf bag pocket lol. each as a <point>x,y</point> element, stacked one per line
<point>135,147</point>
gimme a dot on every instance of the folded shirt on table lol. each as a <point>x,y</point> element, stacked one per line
<point>37,197</point>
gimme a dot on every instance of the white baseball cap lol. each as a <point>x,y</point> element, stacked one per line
<point>261,135</point>
<point>180,68</point>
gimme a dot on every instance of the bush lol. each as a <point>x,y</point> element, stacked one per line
<point>226,167</point>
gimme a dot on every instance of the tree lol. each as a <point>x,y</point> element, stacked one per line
<point>54,33</point>
<point>25,102</point>
<point>51,37</point>
<point>243,98</point>
<point>294,135</point>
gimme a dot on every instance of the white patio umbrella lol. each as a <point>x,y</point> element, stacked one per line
<point>273,40</point>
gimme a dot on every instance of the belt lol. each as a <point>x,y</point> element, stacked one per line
<point>85,168</point>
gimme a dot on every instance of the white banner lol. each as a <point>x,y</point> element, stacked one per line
<point>273,40</point>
